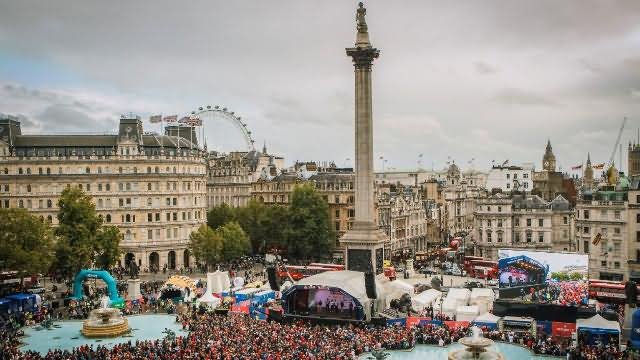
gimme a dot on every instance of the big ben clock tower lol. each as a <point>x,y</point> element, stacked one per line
<point>549,160</point>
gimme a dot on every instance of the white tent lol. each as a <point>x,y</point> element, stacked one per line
<point>209,300</point>
<point>218,282</point>
<point>449,307</point>
<point>459,295</point>
<point>487,319</point>
<point>483,298</point>
<point>396,288</point>
<point>425,299</point>
<point>466,313</point>
<point>598,323</point>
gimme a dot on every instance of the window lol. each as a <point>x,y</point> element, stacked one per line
<point>108,218</point>
<point>488,223</point>
<point>500,223</point>
<point>107,187</point>
<point>616,264</point>
<point>149,217</point>
<point>529,236</point>
<point>175,201</point>
<point>616,214</point>
<point>150,234</point>
<point>337,225</point>
<point>120,170</point>
<point>39,171</point>
<point>488,208</point>
<point>516,221</point>
<point>565,220</point>
<point>500,236</point>
<point>28,187</point>
<point>499,208</point>
<point>99,187</point>
<point>337,214</point>
<point>585,230</point>
<point>603,263</point>
<point>149,170</point>
<point>20,203</point>
<point>121,202</point>
<point>637,236</point>
<point>48,171</point>
<point>488,236</point>
<point>175,216</point>
<point>540,222</point>
<point>149,202</point>
<point>616,231</point>
<point>586,246</point>
<point>517,239</point>
<point>148,186</point>
<point>525,176</point>
<point>337,199</point>
<point>168,216</point>
<point>508,186</point>
<point>508,176</point>
<point>528,222</point>
<point>20,171</point>
<point>157,216</point>
<point>540,237</point>
<point>585,213</point>
<point>28,171</point>
<point>638,218</point>
<point>565,233</point>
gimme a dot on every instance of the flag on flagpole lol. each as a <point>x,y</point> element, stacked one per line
<point>577,167</point>
<point>170,119</point>
<point>597,239</point>
<point>599,166</point>
<point>154,119</point>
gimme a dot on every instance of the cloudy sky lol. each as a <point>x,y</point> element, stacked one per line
<point>489,80</point>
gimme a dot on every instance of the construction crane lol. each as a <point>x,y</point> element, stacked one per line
<point>615,146</point>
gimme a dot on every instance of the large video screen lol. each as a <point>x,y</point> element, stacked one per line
<point>544,277</point>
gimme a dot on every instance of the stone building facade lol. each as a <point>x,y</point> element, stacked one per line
<point>230,175</point>
<point>152,187</point>
<point>525,222</point>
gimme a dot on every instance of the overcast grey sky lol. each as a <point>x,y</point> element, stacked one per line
<point>490,80</point>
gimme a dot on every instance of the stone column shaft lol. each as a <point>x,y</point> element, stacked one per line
<point>364,201</point>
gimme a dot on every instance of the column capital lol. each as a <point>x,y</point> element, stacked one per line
<point>363,57</point>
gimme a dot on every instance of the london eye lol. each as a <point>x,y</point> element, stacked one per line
<point>210,114</point>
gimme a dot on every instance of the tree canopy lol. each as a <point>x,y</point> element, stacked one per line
<point>82,241</point>
<point>26,242</point>
<point>235,242</point>
<point>206,246</point>
<point>220,215</point>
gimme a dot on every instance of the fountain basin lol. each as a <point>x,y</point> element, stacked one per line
<point>105,322</point>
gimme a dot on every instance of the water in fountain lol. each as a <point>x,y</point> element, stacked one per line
<point>476,348</point>
<point>105,321</point>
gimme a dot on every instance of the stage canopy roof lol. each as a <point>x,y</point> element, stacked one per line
<point>523,262</point>
<point>351,282</point>
<point>598,324</point>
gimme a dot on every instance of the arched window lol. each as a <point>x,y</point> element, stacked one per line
<point>108,218</point>
<point>28,187</point>
<point>148,186</point>
<point>39,171</point>
<point>49,218</point>
<point>48,171</point>
<point>135,170</point>
<point>128,218</point>
<point>174,169</point>
<point>28,171</point>
<point>99,169</point>
<point>60,170</point>
<point>20,171</point>
<point>120,170</point>
<point>128,187</point>
<point>87,171</point>
<point>167,170</point>
<point>157,170</point>
<point>49,203</point>
<point>149,202</point>
<point>20,203</point>
<point>6,171</point>
<point>149,170</point>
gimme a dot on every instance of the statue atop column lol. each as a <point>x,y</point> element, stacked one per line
<point>360,13</point>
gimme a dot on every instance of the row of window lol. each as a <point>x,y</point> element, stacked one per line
<point>517,236</point>
<point>100,170</point>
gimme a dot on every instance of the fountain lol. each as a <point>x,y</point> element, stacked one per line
<point>475,348</point>
<point>105,322</point>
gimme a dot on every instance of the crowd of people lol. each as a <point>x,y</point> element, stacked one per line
<point>237,336</point>
<point>568,293</point>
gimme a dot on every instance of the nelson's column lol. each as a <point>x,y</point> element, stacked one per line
<point>364,243</point>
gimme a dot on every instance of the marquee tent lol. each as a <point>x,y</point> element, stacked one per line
<point>397,288</point>
<point>218,281</point>
<point>425,299</point>
<point>483,298</point>
<point>598,325</point>
<point>487,320</point>
<point>460,295</point>
<point>466,313</point>
<point>449,307</point>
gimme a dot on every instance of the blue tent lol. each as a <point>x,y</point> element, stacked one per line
<point>598,329</point>
<point>25,302</point>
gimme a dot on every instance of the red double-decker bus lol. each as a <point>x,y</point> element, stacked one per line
<point>467,262</point>
<point>300,272</point>
<point>612,292</point>
<point>483,269</point>
<point>328,266</point>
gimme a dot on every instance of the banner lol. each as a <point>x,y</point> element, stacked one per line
<point>154,119</point>
<point>415,320</point>
<point>562,329</point>
<point>456,324</point>
<point>241,307</point>
<point>544,326</point>
<point>400,321</point>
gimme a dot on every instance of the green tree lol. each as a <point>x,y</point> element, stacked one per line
<point>252,220</point>
<point>206,246</point>
<point>235,241</point>
<point>26,242</point>
<point>309,232</point>
<point>275,227</point>
<point>220,215</point>
<point>82,241</point>
<point>107,247</point>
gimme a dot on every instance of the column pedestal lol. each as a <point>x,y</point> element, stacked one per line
<point>133,289</point>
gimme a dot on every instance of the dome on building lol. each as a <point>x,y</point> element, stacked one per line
<point>453,171</point>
